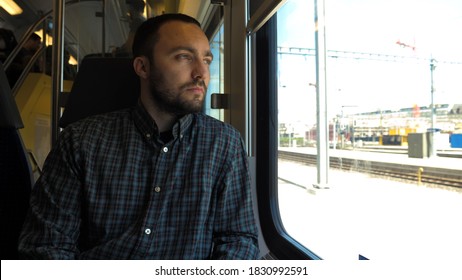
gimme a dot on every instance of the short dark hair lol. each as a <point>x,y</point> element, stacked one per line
<point>35,37</point>
<point>137,5</point>
<point>146,35</point>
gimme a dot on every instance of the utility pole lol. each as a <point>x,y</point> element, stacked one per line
<point>432,148</point>
<point>322,146</point>
<point>431,133</point>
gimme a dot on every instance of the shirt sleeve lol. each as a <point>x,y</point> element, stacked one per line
<point>52,225</point>
<point>235,231</point>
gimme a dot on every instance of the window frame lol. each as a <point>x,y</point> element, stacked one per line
<point>279,242</point>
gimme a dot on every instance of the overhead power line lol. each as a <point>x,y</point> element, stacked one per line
<point>358,55</point>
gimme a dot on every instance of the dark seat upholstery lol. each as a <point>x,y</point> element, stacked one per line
<point>16,177</point>
<point>103,84</point>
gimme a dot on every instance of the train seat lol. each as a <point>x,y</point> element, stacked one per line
<point>102,84</point>
<point>16,178</point>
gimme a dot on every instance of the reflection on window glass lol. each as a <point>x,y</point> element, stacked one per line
<point>395,129</point>
<point>216,84</point>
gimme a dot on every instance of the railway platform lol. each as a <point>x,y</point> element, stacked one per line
<point>373,217</point>
<point>453,162</point>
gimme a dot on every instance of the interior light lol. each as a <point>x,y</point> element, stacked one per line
<point>72,60</point>
<point>11,7</point>
<point>49,38</point>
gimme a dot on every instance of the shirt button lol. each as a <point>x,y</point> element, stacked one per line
<point>165,149</point>
<point>147,231</point>
<point>157,189</point>
<point>148,135</point>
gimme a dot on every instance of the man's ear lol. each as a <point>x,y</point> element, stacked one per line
<point>141,66</point>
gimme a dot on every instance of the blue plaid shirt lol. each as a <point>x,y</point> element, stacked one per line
<point>111,189</point>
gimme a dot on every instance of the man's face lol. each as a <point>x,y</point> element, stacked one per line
<point>180,71</point>
<point>32,45</point>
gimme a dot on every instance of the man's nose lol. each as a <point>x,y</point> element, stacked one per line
<point>200,70</point>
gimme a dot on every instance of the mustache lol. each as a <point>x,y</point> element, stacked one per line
<point>195,83</point>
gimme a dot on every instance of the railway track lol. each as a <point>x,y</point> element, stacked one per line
<point>409,173</point>
<point>454,153</point>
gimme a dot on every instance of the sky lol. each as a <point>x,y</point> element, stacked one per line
<point>432,27</point>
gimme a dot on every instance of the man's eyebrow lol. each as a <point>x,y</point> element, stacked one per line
<point>207,53</point>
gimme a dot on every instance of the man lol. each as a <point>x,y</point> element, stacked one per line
<point>135,19</point>
<point>158,181</point>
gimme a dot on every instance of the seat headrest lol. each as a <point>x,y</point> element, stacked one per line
<point>103,84</point>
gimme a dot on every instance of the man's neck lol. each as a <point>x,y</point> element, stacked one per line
<point>163,120</point>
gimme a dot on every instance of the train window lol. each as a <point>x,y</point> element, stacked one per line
<point>216,84</point>
<point>394,131</point>
<point>113,28</point>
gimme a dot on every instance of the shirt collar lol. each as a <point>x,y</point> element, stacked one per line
<point>148,127</point>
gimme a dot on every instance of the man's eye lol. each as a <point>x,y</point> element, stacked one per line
<point>184,57</point>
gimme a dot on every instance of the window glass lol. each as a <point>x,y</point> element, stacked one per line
<point>393,189</point>
<point>216,84</point>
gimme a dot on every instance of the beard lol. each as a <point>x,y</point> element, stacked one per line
<point>175,101</point>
